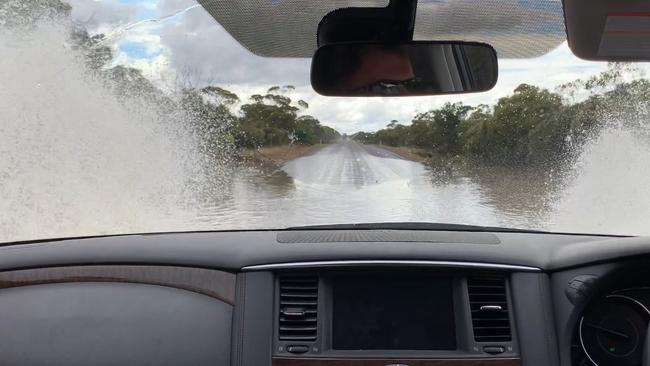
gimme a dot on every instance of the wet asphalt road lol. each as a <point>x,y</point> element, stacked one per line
<point>348,183</point>
<point>351,163</point>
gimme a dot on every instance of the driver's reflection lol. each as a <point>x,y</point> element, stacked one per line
<point>379,69</point>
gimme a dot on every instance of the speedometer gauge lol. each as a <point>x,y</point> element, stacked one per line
<point>612,331</point>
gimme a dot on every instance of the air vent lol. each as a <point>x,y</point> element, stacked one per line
<point>298,308</point>
<point>489,304</point>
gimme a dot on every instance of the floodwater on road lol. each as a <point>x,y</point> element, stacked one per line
<point>353,183</point>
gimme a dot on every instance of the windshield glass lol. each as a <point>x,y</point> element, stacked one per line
<point>131,116</point>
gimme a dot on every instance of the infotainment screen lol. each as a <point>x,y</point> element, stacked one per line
<point>404,312</point>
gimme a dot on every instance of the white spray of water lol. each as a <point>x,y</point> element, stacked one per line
<point>73,160</point>
<point>611,191</point>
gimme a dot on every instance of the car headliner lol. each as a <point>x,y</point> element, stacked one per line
<point>287,28</point>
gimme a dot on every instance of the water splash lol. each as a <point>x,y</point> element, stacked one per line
<point>73,160</point>
<point>609,193</point>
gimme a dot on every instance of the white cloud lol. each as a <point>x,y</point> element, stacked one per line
<point>156,65</point>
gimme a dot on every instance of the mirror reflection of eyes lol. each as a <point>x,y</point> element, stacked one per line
<point>390,87</point>
<point>413,68</point>
<point>380,63</point>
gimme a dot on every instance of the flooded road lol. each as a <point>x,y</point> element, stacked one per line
<point>350,164</point>
<point>353,183</point>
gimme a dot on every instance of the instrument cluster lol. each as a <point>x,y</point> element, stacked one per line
<point>612,329</point>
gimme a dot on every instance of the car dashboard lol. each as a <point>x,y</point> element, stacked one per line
<point>326,298</point>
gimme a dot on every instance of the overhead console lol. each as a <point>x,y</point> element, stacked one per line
<point>393,317</point>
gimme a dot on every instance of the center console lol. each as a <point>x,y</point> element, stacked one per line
<point>414,317</point>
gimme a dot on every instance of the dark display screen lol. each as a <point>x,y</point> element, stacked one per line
<point>393,313</point>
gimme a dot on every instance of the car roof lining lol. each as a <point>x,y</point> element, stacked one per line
<point>288,28</point>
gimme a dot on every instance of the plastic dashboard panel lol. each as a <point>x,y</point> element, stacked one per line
<point>253,332</point>
<point>231,251</point>
<point>540,266</point>
<point>94,323</point>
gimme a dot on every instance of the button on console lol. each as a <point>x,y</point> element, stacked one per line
<point>297,349</point>
<point>494,350</point>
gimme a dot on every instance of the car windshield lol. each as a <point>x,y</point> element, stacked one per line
<point>135,116</point>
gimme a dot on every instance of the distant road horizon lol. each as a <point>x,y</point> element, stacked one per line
<point>350,162</point>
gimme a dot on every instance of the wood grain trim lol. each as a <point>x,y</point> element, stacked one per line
<point>286,361</point>
<point>213,283</point>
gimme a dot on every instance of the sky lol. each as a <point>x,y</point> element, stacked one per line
<point>177,41</point>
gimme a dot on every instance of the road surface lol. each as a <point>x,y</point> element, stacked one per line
<point>348,183</point>
<point>351,163</point>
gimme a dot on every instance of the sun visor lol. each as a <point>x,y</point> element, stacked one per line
<point>609,30</point>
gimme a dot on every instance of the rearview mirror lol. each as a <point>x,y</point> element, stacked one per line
<point>405,69</point>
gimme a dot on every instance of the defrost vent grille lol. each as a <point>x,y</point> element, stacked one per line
<point>298,318</point>
<point>489,305</point>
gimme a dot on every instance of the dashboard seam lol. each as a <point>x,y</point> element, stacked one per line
<point>382,262</point>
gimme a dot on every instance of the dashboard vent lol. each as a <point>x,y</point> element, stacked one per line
<point>298,308</point>
<point>489,304</point>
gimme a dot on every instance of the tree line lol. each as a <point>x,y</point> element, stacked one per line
<point>531,126</point>
<point>271,119</point>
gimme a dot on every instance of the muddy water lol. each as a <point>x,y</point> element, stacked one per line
<point>352,183</point>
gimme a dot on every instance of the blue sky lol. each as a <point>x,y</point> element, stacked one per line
<point>137,50</point>
<point>188,46</point>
